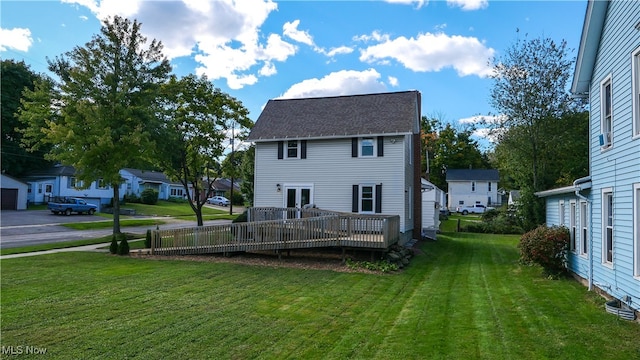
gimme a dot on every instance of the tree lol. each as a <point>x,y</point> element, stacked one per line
<point>247,173</point>
<point>16,161</point>
<point>538,120</point>
<point>196,119</point>
<point>100,115</point>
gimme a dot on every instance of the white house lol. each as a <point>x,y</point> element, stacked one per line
<point>14,193</point>
<point>358,153</point>
<point>602,211</point>
<point>472,186</point>
<point>433,198</point>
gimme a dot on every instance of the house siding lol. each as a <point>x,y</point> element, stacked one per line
<point>332,171</point>
<point>461,191</point>
<point>618,167</point>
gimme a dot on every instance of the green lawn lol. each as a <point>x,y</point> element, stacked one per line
<point>177,209</point>
<point>463,297</point>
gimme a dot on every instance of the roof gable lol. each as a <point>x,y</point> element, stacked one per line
<point>473,175</point>
<point>589,43</point>
<point>338,116</point>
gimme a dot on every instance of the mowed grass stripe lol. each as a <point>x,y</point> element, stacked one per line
<point>465,296</point>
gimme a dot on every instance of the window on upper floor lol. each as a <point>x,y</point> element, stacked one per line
<point>292,149</point>
<point>473,186</point>
<point>607,226</point>
<point>606,113</point>
<point>367,147</point>
<point>636,91</point>
<point>489,186</point>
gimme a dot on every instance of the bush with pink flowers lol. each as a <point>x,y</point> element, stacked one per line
<point>547,247</point>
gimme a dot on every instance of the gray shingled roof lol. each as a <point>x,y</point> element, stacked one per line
<point>150,176</point>
<point>472,174</point>
<point>383,113</point>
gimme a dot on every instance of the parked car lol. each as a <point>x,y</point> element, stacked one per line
<point>472,209</point>
<point>218,200</point>
<point>68,206</point>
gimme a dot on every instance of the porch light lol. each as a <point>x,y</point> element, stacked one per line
<point>278,188</point>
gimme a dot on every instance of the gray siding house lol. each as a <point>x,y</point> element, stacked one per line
<point>358,153</point>
<point>602,211</point>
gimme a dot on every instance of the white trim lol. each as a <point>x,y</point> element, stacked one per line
<point>297,186</point>
<point>635,91</point>
<point>584,229</point>
<point>604,213</point>
<point>561,212</point>
<point>374,152</point>
<point>361,198</point>
<point>606,130</point>
<point>636,230</point>
<point>286,149</point>
<point>573,226</point>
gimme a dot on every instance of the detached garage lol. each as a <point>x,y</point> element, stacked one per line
<point>14,193</point>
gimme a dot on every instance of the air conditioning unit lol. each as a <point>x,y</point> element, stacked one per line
<point>605,139</point>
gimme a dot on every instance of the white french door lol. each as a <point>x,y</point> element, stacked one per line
<point>297,196</point>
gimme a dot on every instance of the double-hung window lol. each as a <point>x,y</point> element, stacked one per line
<point>607,226</point>
<point>606,113</point>
<point>583,228</point>
<point>572,226</point>
<point>367,198</point>
<point>636,91</point>
<point>292,149</point>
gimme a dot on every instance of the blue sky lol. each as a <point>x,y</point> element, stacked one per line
<point>257,50</point>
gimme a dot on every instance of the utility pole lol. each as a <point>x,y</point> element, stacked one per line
<point>233,128</point>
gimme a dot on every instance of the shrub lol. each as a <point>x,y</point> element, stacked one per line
<point>149,197</point>
<point>236,199</point>
<point>123,247</point>
<point>495,221</point>
<point>547,247</point>
<point>130,198</point>
<point>244,217</point>
<point>113,248</point>
<point>147,240</point>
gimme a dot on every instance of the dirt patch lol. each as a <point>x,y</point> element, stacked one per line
<point>308,259</point>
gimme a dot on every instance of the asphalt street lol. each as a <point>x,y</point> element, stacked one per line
<point>34,227</point>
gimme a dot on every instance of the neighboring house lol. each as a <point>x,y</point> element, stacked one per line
<point>139,180</point>
<point>602,211</point>
<point>222,186</point>
<point>432,200</point>
<point>14,193</point>
<point>60,181</point>
<point>358,153</point>
<point>472,186</point>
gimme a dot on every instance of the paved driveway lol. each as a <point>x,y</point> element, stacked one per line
<point>10,218</point>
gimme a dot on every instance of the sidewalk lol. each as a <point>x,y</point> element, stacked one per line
<point>94,247</point>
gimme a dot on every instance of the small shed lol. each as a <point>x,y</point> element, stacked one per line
<point>432,200</point>
<point>14,193</point>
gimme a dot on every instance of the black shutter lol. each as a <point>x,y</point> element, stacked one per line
<point>280,149</point>
<point>379,199</point>
<point>354,198</point>
<point>303,149</point>
<point>354,147</point>
<point>380,145</point>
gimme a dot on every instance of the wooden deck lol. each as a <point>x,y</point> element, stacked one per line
<point>286,229</point>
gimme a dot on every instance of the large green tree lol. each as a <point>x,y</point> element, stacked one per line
<point>197,121</point>
<point>101,113</point>
<point>16,161</point>
<point>541,132</point>
<point>247,173</point>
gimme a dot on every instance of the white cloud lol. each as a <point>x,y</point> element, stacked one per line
<point>290,30</point>
<point>469,5</point>
<point>375,36</point>
<point>339,51</point>
<point>488,126</point>
<point>418,3</point>
<point>224,34</point>
<point>393,81</point>
<point>16,38</point>
<point>433,52</point>
<point>344,82</point>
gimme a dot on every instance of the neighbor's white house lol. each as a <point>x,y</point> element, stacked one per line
<point>358,153</point>
<point>602,211</point>
<point>472,186</point>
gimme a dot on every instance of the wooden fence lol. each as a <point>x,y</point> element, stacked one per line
<point>281,229</point>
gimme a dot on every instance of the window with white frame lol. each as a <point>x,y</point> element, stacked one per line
<point>607,226</point>
<point>636,229</point>
<point>572,226</point>
<point>367,146</point>
<point>292,149</point>
<point>473,186</point>
<point>74,183</point>
<point>561,212</point>
<point>606,113</point>
<point>489,186</point>
<point>583,228</point>
<point>366,199</point>
<point>101,184</point>
<point>636,91</point>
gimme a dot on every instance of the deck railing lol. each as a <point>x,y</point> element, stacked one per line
<point>281,229</point>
